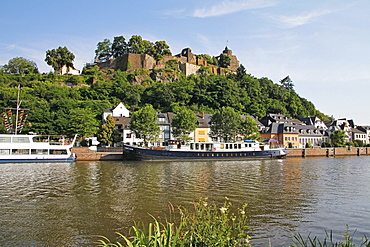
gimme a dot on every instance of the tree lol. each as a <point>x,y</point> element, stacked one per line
<point>57,58</point>
<point>136,44</point>
<point>337,138</point>
<point>20,65</point>
<point>161,49</point>
<point>103,51</point>
<point>224,61</point>
<point>144,124</point>
<point>119,46</point>
<point>225,124</point>
<point>287,83</point>
<point>240,72</point>
<point>249,129</point>
<point>107,132</point>
<point>183,123</point>
<point>82,122</point>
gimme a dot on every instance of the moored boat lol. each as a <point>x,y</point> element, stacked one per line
<point>205,151</point>
<point>35,148</point>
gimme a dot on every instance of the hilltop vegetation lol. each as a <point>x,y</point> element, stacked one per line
<point>54,107</point>
<point>66,104</point>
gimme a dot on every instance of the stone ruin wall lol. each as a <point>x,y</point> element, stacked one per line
<point>188,62</point>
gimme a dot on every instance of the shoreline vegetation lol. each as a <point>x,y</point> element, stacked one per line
<point>207,224</point>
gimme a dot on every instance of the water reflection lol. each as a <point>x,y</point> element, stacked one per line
<point>66,204</point>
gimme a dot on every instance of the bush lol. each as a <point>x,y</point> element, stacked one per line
<point>358,143</point>
<point>326,145</point>
<point>309,145</point>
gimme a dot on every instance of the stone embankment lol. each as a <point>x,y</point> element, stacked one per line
<point>84,153</point>
<point>328,152</point>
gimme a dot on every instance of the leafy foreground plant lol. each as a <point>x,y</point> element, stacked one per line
<point>205,225</point>
<point>328,241</point>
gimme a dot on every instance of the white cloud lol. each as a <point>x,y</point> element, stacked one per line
<point>228,7</point>
<point>302,19</point>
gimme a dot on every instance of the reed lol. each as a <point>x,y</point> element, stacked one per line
<point>204,225</point>
<point>328,240</point>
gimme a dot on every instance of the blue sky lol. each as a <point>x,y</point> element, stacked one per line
<point>323,45</point>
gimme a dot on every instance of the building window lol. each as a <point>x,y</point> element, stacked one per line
<point>201,132</point>
<point>128,135</point>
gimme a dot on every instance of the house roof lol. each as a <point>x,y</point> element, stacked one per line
<point>204,120</point>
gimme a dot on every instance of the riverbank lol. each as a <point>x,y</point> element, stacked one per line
<point>84,153</point>
<point>328,152</point>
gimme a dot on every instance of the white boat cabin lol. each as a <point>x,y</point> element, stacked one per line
<point>248,145</point>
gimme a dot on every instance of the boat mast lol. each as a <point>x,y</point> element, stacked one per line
<point>18,104</point>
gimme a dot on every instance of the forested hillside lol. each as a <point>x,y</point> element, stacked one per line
<point>55,108</point>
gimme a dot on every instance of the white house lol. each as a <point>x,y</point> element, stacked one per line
<point>118,111</point>
<point>65,70</point>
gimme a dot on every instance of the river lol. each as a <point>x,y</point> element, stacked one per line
<point>69,204</point>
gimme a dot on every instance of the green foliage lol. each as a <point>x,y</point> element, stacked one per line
<point>337,138</point>
<point>144,124</point>
<point>205,224</point>
<point>287,83</point>
<point>107,133</point>
<point>224,61</point>
<point>82,122</point>
<point>249,129</point>
<point>225,124</point>
<point>309,145</point>
<point>119,46</point>
<point>326,145</point>
<point>59,57</point>
<point>358,143</point>
<point>183,123</point>
<point>20,65</point>
<point>172,64</point>
<point>103,51</point>
<point>328,241</point>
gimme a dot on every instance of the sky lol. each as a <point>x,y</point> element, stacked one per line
<point>323,45</point>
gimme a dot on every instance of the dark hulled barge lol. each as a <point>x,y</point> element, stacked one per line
<point>205,151</point>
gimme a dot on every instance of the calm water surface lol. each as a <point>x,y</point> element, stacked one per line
<point>68,204</point>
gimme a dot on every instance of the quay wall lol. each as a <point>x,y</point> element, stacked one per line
<point>321,152</point>
<point>84,153</point>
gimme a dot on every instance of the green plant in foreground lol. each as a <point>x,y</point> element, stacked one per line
<point>204,225</point>
<point>328,241</point>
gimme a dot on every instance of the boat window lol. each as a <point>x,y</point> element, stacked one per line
<point>58,151</point>
<point>21,140</point>
<point>226,146</point>
<point>5,139</point>
<point>39,151</point>
<point>202,146</point>
<point>4,151</point>
<point>222,146</point>
<point>20,151</point>
<point>239,146</point>
<point>192,146</point>
<point>196,146</point>
<point>235,146</point>
<point>209,147</point>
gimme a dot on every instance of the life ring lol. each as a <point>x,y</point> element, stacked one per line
<point>214,149</point>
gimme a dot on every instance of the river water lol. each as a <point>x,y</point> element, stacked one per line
<point>70,204</point>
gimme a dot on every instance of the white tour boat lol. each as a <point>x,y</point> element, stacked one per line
<point>35,148</point>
